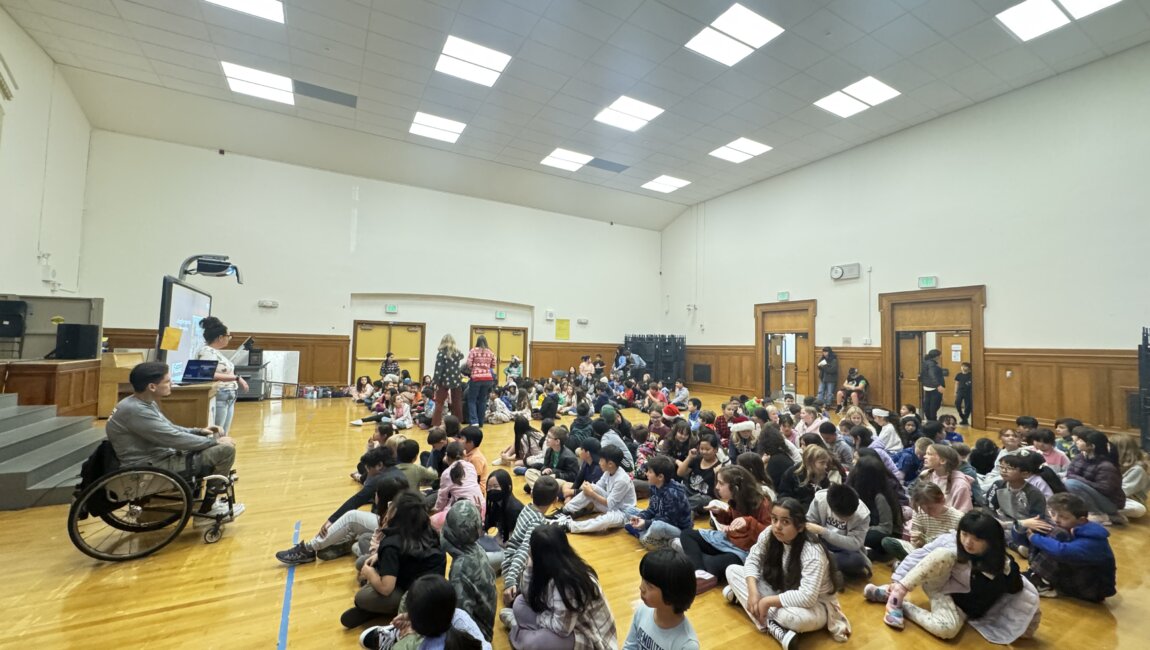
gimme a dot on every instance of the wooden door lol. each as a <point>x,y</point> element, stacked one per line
<point>407,346</point>
<point>512,342</point>
<point>950,343</point>
<point>774,343</point>
<point>803,360</point>
<point>909,362</point>
<point>372,340</point>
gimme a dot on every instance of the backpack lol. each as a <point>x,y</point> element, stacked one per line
<point>102,462</point>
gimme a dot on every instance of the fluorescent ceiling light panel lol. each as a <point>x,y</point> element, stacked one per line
<point>272,10</point>
<point>470,61</point>
<point>719,47</point>
<point>464,70</point>
<point>871,91</point>
<point>233,71</point>
<point>666,184</point>
<point>841,104</point>
<point>437,128</point>
<point>747,26</point>
<point>564,159</point>
<point>629,114</point>
<point>740,150</point>
<point>1083,8</point>
<point>263,92</point>
<point>1033,18</point>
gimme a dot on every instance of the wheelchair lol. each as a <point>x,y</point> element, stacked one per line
<point>132,512</point>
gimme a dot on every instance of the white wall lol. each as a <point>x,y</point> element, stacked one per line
<point>1041,194</point>
<point>43,160</point>
<point>310,239</point>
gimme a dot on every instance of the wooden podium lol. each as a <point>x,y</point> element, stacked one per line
<point>72,386</point>
<point>114,370</point>
<point>190,406</point>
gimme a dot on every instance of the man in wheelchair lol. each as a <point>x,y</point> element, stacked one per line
<point>141,435</point>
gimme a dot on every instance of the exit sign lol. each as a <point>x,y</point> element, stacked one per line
<point>500,315</point>
<point>391,309</point>
<point>928,282</point>
<point>784,296</point>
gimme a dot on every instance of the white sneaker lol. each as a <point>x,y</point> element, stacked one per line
<point>220,508</point>
<point>677,545</point>
<point>356,423</point>
<point>728,594</point>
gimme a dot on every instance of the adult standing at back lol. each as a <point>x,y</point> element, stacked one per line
<point>932,384</point>
<point>828,375</point>
<point>448,380</point>
<point>481,360</point>
<point>216,338</point>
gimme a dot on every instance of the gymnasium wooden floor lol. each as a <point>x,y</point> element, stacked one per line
<point>294,459</point>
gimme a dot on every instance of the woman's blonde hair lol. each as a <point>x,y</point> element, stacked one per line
<point>851,410</point>
<point>447,344</point>
<point>1130,454</point>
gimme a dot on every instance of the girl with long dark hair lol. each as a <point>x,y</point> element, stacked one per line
<point>789,582</point>
<point>560,604</point>
<point>869,480</point>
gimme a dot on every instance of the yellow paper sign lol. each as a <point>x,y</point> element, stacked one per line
<point>562,329</point>
<point>171,339</point>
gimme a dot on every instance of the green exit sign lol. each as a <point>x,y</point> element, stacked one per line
<point>391,309</point>
<point>784,296</point>
<point>928,282</point>
<point>500,315</point>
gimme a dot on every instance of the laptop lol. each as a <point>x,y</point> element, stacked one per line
<point>198,371</point>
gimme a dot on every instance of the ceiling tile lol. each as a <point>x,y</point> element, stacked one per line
<point>516,86</point>
<point>622,61</point>
<point>826,30</point>
<point>507,16</point>
<point>806,88</point>
<point>695,65</point>
<point>349,13</point>
<point>643,43</point>
<point>584,18</point>
<point>867,16</point>
<point>1065,43</point>
<point>334,30</point>
<point>1018,62</point>
<point>907,35</point>
<point>905,76</point>
<point>1114,23</point>
<point>719,100</point>
<point>83,34</point>
<point>939,97</point>
<point>793,50</point>
<point>525,70</point>
<point>660,19</point>
<point>620,8</point>
<point>669,78</point>
<point>604,78</point>
<point>326,47</point>
<point>984,40</point>
<point>835,72</point>
<point>151,35</point>
<point>407,31</point>
<point>869,54</point>
<point>977,82</point>
<point>949,17</point>
<point>942,59</point>
<point>427,14</point>
<point>735,82</point>
<point>400,51</point>
<point>161,19</point>
<point>550,58</point>
<point>81,16</point>
<point>229,40</point>
<point>162,54</point>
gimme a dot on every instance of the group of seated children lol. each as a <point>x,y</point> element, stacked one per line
<point>794,501</point>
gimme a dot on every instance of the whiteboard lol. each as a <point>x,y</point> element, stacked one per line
<point>281,367</point>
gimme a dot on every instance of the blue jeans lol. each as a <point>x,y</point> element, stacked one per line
<point>477,393</point>
<point>225,408</point>
<point>826,392</point>
<point>1095,500</point>
<point>656,534</point>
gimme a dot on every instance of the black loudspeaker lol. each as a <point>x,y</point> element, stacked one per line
<point>77,341</point>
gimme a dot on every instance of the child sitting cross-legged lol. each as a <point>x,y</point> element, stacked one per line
<point>1071,556</point>
<point>667,578</point>
<point>1013,498</point>
<point>611,496</point>
<point>840,520</point>
<point>668,512</point>
<point>932,517</point>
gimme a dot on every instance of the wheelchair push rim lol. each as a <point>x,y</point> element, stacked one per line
<point>130,513</point>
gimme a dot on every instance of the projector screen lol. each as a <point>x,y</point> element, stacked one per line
<point>184,307</point>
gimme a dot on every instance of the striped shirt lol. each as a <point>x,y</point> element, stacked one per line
<point>925,528</point>
<point>816,577</point>
<point>518,546</point>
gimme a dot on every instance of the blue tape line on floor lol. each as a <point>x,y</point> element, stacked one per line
<point>286,613</point>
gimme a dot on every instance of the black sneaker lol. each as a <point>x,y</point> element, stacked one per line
<point>355,617</point>
<point>298,554</point>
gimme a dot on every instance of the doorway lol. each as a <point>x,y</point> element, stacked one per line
<point>505,342</point>
<point>915,322</point>
<point>784,341</point>
<point>788,358</point>
<point>372,340</point>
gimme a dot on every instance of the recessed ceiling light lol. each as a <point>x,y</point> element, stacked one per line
<point>740,150</point>
<point>719,47</point>
<point>666,184</point>
<point>564,159</point>
<point>1033,18</point>
<point>1083,8</point>
<point>627,113</point>
<point>437,128</point>
<point>871,91</point>
<point>258,83</point>
<point>747,26</point>
<point>272,10</point>
<point>470,61</point>
<point>841,104</point>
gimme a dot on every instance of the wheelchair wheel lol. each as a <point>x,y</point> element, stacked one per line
<point>130,513</point>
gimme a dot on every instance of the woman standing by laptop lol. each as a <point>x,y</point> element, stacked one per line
<point>216,337</point>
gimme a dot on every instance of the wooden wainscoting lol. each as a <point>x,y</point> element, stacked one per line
<point>1091,385</point>
<point>869,362</point>
<point>733,368</point>
<point>546,356</point>
<point>323,358</point>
